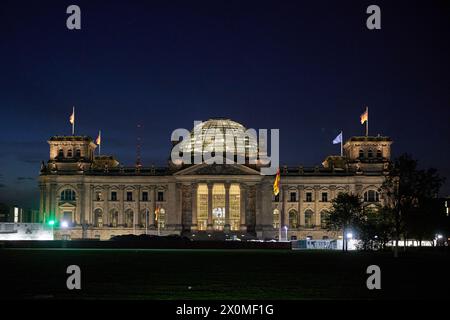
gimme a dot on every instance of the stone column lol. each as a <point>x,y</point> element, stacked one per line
<point>300,205</point>
<point>106,221</point>
<point>332,192</point>
<point>194,223</point>
<point>53,200</point>
<point>151,217</point>
<point>285,205</point>
<point>316,205</point>
<point>80,212</point>
<point>90,209</point>
<point>41,217</point>
<point>138,207</point>
<point>227,206</point>
<point>258,214</point>
<point>121,217</point>
<point>243,206</point>
<point>210,200</point>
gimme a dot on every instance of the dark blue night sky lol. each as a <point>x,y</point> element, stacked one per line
<point>306,67</point>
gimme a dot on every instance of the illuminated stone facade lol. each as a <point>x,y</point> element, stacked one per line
<point>96,197</point>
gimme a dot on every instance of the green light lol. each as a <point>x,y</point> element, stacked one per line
<point>51,222</point>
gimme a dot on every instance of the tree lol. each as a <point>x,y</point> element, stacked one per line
<point>407,191</point>
<point>345,211</point>
<point>374,227</point>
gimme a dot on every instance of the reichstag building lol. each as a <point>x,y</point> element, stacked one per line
<point>93,196</point>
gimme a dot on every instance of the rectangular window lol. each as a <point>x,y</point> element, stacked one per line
<point>144,196</point>
<point>160,196</point>
<point>324,197</point>
<point>113,196</point>
<point>308,197</point>
<point>129,196</point>
<point>293,196</point>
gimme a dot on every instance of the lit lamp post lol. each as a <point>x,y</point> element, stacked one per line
<point>52,224</point>
<point>349,236</point>
<point>286,232</point>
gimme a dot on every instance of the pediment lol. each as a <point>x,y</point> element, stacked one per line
<point>218,169</point>
<point>67,205</point>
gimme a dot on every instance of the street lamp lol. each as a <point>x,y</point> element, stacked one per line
<point>285,231</point>
<point>52,223</point>
<point>64,224</point>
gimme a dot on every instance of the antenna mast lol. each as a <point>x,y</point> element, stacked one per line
<point>138,146</point>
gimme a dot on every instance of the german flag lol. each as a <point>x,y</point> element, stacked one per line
<point>276,183</point>
<point>365,116</point>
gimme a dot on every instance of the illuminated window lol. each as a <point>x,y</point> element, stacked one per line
<point>113,218</point>
<point>129,218</point>
<point>202,206</point>
<point>309,219</point>
<point>293,219</point>
<point>323,219</point>
<point>235,206</point>
<point>68,195</point>
<point>67,217</point>
<point>161,218</point>
<point>98,218</point>
<point>276,218</point>
<point>379,154</point>
<point>218,206</point>
<point>61,153</point>
<point>371,196</point>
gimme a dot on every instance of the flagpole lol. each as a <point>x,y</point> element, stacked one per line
<point>73,122</point>
<point>100,144</point>
<point>367,122</point>
<point>342,138</point>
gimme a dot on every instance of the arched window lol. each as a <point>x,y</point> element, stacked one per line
<point>371,196</point>
<point>60,153</point>
<point>309,219</point>
<point>78,153</point>
<point>129,218</point>
<point>323,219</point>
<point>68,195</point>
<point>276,218</point>
<point>69,153</point>
<point>113,218</point>
<point>361,153</point>
<point>98,218</point>
<point>379,154</point>
<point>293,219</point>
<point>370,154</point>
<point>161,218</point>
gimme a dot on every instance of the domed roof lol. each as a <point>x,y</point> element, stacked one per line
<point>221,135</point>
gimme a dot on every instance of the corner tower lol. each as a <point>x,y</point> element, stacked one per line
<point>71,152</point>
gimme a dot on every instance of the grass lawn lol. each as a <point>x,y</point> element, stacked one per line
<point>222,274</point>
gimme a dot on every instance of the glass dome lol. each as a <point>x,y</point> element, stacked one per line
<point>220,135</point>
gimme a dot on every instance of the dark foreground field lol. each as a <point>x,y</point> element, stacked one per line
<point>222,274</point>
